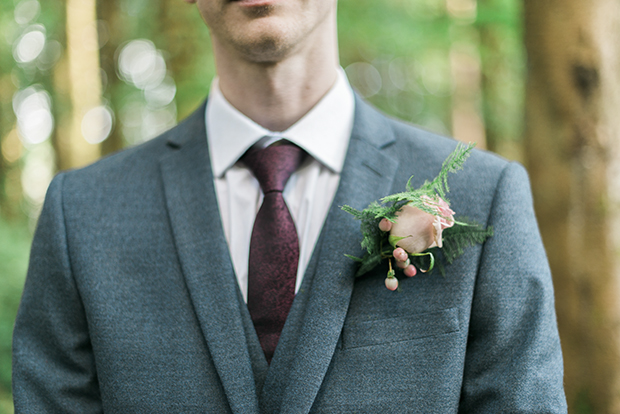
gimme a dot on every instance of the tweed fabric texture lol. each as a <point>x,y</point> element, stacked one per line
<point>131,304</point>
<point>274,246</point>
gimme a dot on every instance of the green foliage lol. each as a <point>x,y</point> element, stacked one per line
<point>374,241</point>
<point>439,185</point>
<point>15,241</point>
<point>502,54</point>
<point>411,45</point>
<point>408,43</point>
<point>583,403</point>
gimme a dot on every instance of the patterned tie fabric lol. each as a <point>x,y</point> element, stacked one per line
<point>274,246</point>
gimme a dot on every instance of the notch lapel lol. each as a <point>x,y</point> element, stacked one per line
<point>205,260</point>
<point>367,176</point>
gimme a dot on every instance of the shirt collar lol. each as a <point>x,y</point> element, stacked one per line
<point>323,132</point>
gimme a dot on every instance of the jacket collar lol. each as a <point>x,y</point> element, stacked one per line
<point>205,261</point>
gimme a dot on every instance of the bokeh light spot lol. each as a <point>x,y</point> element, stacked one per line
<point>50,55</point>
<point>30,45</point>
<point>26,11</point>
<point>32,107</point>
<point>141,64</point>
<point>97,124</point>
<point>462,9</point>
<point>365,78</point>
<point>398,73</point>
<point>158,121</point>
<point>436,73</point>
<point>12,147</point>
<point>162,94</point>
<point>37,173</point>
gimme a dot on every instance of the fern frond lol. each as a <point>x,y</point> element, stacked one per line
<point>457,238</point>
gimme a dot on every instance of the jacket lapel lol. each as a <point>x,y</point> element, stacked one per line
<point>205,260</point>
<point>367,176</point>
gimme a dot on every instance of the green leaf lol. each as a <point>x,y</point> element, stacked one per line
<point>395,239</point>
<point>357,259</point>
<point>439,186</point>
<point>431,258</point>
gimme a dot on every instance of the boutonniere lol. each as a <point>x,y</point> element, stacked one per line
<point>413,226</point>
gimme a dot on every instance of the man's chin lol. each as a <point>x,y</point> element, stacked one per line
<point>265,49</point>
<point>261,33</point>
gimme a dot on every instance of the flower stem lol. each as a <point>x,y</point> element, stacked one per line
<point>431,257</point>
<point>391,273</point>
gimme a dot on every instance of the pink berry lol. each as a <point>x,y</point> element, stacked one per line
<point>404,264</point>
<point>391,283</point>
<point>400,254</point>
<point>410,271</point>
<point>385,225</point>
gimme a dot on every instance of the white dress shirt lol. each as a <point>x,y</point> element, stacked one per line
<point>323,133</point>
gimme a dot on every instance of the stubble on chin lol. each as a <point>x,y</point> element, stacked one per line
<point>265,50</point>
<point>265,47</point>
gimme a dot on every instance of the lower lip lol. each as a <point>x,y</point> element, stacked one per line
<point>255,3</point>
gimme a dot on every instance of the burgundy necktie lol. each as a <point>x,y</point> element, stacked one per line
<point>274,247</point>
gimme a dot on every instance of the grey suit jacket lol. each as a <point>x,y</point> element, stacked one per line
<point>131,304</point>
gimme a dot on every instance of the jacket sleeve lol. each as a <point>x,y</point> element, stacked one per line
<point>53,363</point>
<point>513,360</point>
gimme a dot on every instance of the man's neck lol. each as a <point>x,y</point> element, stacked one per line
<point>276,95</point>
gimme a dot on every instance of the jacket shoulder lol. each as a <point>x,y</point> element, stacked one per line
<point>139,162</point>
<point>411,144</point>
<point>437,147</point>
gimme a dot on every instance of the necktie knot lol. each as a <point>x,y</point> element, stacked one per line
<point>273,166</point>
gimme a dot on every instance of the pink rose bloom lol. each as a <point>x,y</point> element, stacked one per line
<point>422,230</point>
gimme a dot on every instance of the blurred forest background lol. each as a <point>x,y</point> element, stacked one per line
<point>535,81</point>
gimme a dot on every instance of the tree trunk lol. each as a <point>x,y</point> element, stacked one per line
<point>85,84</point>
<point>572,100</point>
<point>115,24</point>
